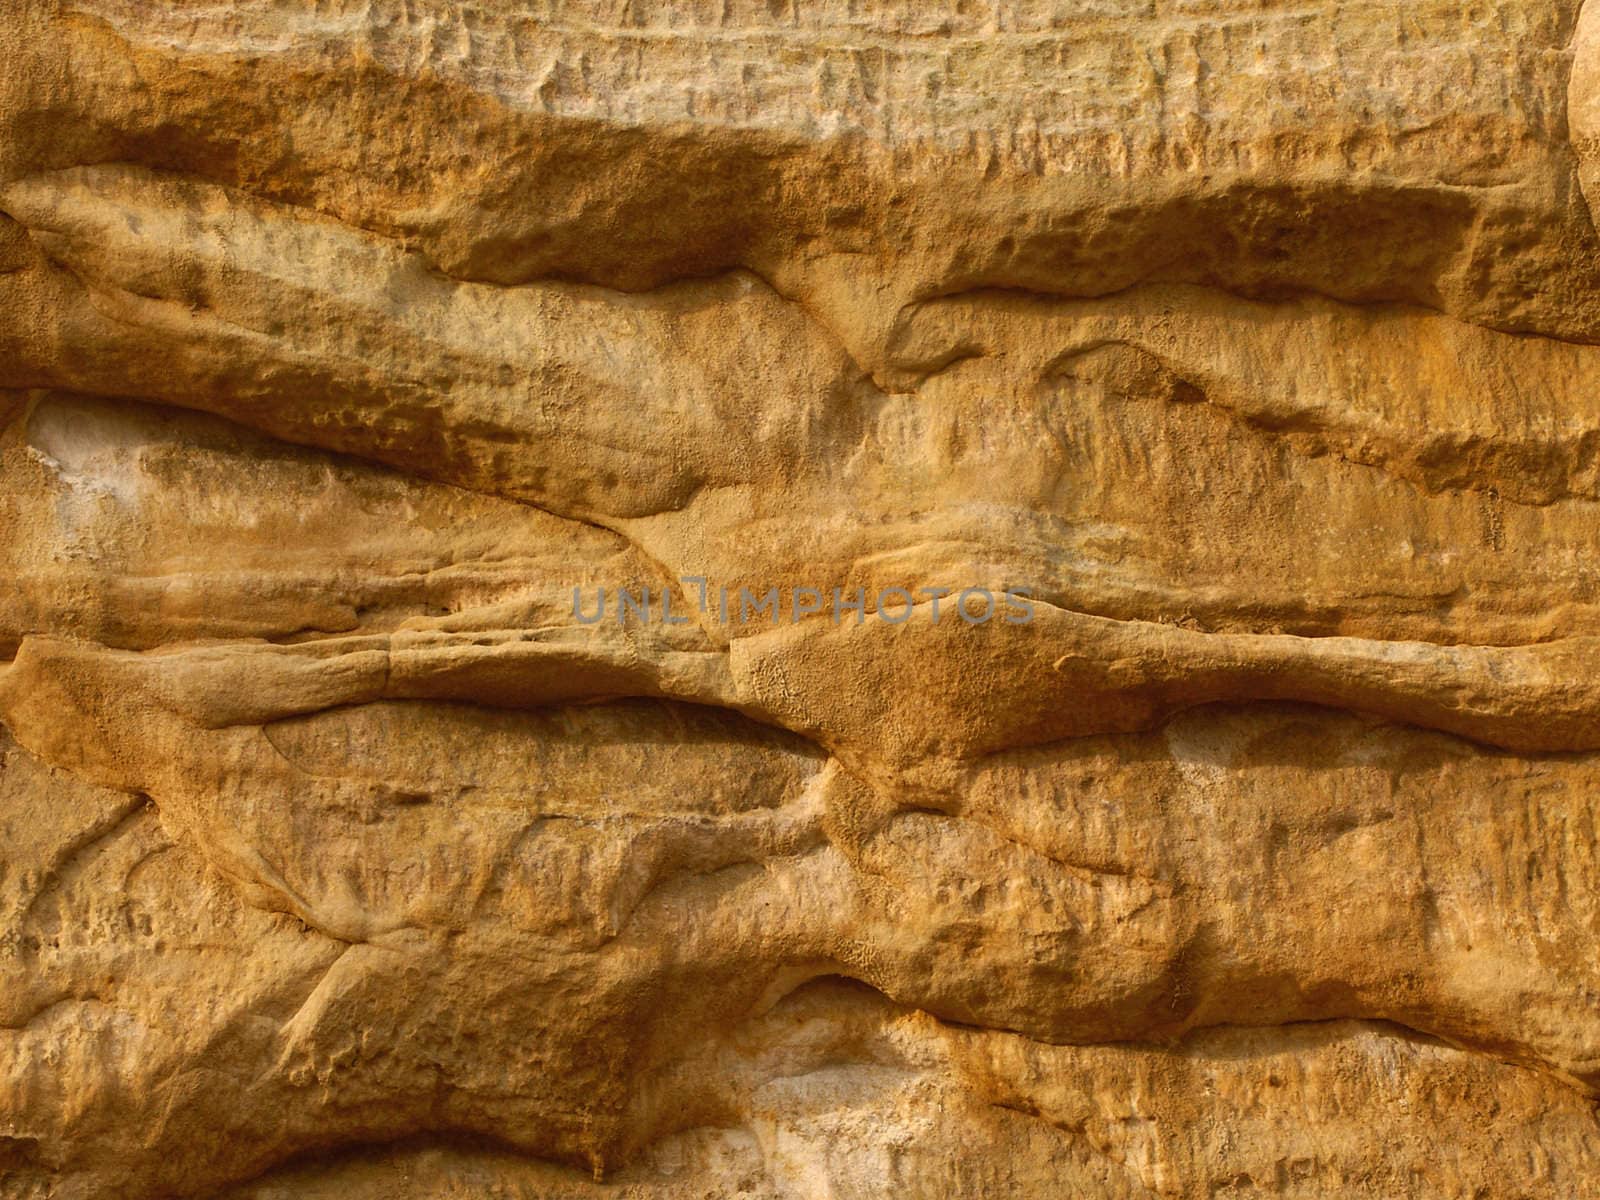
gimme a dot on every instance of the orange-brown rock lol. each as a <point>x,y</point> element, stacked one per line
<point>659,599</point>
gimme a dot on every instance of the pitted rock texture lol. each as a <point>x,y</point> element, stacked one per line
<point>355,356</point>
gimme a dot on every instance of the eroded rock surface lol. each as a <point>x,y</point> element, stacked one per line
<point>358,360</point>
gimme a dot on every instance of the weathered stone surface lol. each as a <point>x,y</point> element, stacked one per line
<point>1245,355</point>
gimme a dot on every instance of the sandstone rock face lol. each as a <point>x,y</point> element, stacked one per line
<point>670,599</point>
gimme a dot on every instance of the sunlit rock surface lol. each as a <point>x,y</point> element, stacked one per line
<point>777,600</point>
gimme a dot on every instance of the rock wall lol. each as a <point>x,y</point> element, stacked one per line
<point>675,599</point>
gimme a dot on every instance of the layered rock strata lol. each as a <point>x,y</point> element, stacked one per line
<point>771,600</point>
